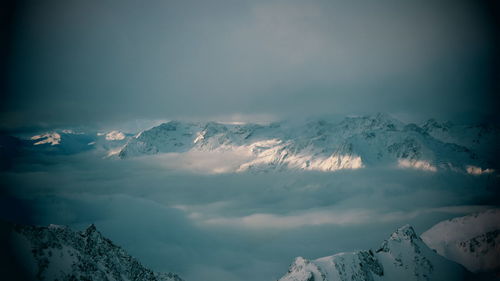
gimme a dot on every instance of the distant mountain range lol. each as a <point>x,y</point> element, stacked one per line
<point>353,143</point>
<point>315,144</point>
<point>59,253</point>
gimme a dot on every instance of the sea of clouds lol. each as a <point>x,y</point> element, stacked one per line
<point>174,214</point>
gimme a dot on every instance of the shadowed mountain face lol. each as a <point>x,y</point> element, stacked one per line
<point>59,253</point>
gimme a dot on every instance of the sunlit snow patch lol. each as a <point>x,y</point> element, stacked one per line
<point>474,170</point>
<point>114,152</point>
<point>332,163</point>
<point>115,135</point>
<point>199,137</point>
<point>274,152</point>
<point>50,138</point>
<point>416,164</point>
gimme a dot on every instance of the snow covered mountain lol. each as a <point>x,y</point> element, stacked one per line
<point>403,256</point>
<point>473,240</point>
<point>315,144</point>
<point>65,142</point>
<point>482,138</point>
<point>320,144</point>
<point>58,253</point>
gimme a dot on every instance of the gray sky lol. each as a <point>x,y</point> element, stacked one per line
<point>82,62</point>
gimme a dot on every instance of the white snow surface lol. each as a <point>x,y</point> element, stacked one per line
<point>115,135</point>
<point>320,144</point>
<point>473,240</point>
<point>403,256</point>
<point>52,138</point>
<point>58,253</point>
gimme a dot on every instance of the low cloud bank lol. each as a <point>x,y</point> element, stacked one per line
<point>228,226</point>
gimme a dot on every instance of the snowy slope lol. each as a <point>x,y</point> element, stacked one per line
<point>58,253</point>
<point>403,256</point>
<point>176,136</point>
<point>317,144</point>
<point>473,240</point>
<point>471,135</point>
<point>481,138</point>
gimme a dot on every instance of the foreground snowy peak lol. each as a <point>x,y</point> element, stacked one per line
<point>58,253</point>
<point>473,240</point>
<point>403,256</point>
<point>316,144</point>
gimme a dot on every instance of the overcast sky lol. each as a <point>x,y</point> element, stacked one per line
<point>81,62</point>
<point>92,62</point>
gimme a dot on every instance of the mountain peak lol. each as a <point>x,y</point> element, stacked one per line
<point>382,115</point>
<point>405,232</point>
<point>57,226</point>
<point>435,124</point>
<point>404,235</point>
<point>91,229</point>
<point>300,261</point>
<point>401,258</point>
<point>86,255</point>
<point>170,125</point>
<point>319,144</point>
<point>373,121</point>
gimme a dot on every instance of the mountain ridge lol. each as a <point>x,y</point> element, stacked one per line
<point>403,256</point>
<point>318,144</point>
<point>56,252</point>
<point>352,143</point>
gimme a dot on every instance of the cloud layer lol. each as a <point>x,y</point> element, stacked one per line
<point>233,226</point>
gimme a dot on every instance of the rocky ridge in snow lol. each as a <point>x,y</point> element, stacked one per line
<point>318,144</point>
<point>58,253</point>
<point>403,256</point>
<point>473,240</point>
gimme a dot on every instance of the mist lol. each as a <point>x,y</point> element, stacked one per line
<point>234,226</point>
